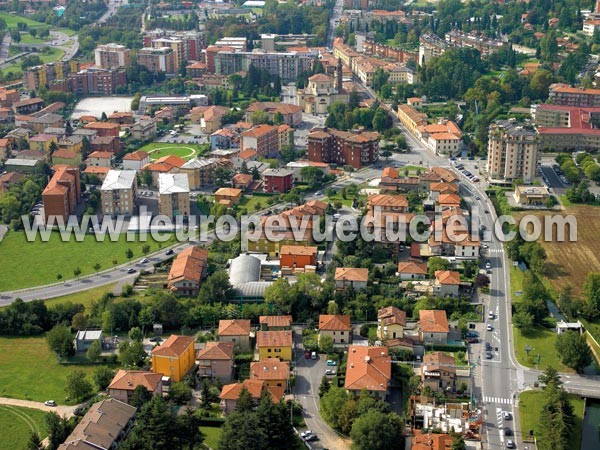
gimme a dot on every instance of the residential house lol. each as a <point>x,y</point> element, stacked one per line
<point>165,164</point>
<point>189,267</point>
<point>125,381</point>
<point>104,128</point>
<point>391,322</point>
<point>262,138</point>
<point>274,344</point>
<point>275,323</point>
<point>337,327</point>
<point>355,278</point>
<point>438,372</point>
<point>215,361</point>
<point>431,441</point>
<point>175,357</point>
<point>42,142</point>
<point>289,114</point>
<point>273,371</point>
<point>121,117</point>
<point>368,369</point>
<point>433,326</point>
<point>242,181</point>
<point>173,195</point>
<point>437,189</point>
<point>209,117</point>
<point>85,338</point>
<point>531,195</point>
<point>143,130</point>
<point>449,200</point>
<point>387,203</point>
<point>118,193</point>
<point>5,148</point>
<point>447,283</point>
<point>231,393</point>
<point>62,193</point>
<point>8,179</point>
<point>40,123</point>
<point>104,425</point>
<point>28,106</point>
<point>99,172</point>
<point>228,196</point>
<point>66,157</point>
<point>244,157</point>
<point>297,256</point>
<point>412,270</point>
<point>136,160</point>
<point>106,143</point>
<point>99,159</point>
<point>278,180</point>
<point>200,172</point>
<point>224,138</point>
<point>23,165</point>
<point>466,248</point>
<point>71,143</point>
<point>236,331</point>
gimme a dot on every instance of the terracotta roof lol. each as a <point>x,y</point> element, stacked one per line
<point>273,107</point>
<point>234,327</point>
<point>11,177</point>
<point>158,167</point>
<point>254,388</point>
<point>351,274</point>
<point>449,199</point>
<point>558,87</point>
<point>216,350</point>
<point>368,368</point>
<point>102,125</point>
<point>60,175</point>
<point>433,321</point>
<point>412,267</point>
<point>389,172</point>
<point>260,130</point>
<point>433,362</point>
<point>188,265</point>
<point>65,154</point>
<point>447,277</point>
<point>269,369</point>
<point>274,339</point>
<point>445,174</point>
<point>321,77</point>
<point>96,170</point>
<point>128,380</point>
<point>138,155</point>
<point>100,154</point>
<point>440,187</point>
<point>247,154</point>
<point>337,322</point>
<point>42,138</point>
<point>391,316</point>
<point>228,192</point>
<point>388,200</point>
<point>297,250</point>
<point>172,160</point>
<point>275,321</point>
<point>431,441</point>
<point>242,178</point>
<point>174,346</point>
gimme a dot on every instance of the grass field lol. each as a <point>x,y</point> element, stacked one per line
<point>53,55</point>
<point>30,371</point>
<point>13,20</point>
<point>85,297</point>
<point>516,283</point>
<point>17,424</point>
<point>185,151</point>
<point>542,341</point>
<point>25,264</point>
<point>250,203</point>
<point>211,436</point>
<point>530,407</point>
<point>570,262</point>
<point>27,38</point>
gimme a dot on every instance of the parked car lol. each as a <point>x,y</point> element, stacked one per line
<point>489,327</point>
<point>311,437</point>
<point>477,197</point>
<point>50,403</point>
<point>488,346</point>
<point>305,433</point>
<point>472,340</point>
<point>488,265</point>
<point>510,444</point>
<point>488,355</point>
<point>506,415</point>
<point>331,362</point>
<point>507,432</point>
<point>491,314</point>
<point>330,372</point>
<point>313,355</point>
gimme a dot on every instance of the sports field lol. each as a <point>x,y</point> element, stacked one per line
<point>17,424</point>
<point>186,151</point>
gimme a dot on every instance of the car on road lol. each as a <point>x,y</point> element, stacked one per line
<point>330,372</point>
<point>318,193</point>
<point>510,444</point>
<point>310,437</point>
<point>170,252</point>
<point>489,327</point>
<point>488,355</point>
<point>145,260</point>
<point>305,433</point>
<point>491,315</point>
<point>488,265</point>
<point>477,197</point>
<point>506,415</point>
<point>486,246</point>
<point>507,431</point>
<point>131,270</point>
<point>331,362</point>
<point>50,403</point>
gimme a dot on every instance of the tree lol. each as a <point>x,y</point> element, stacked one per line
<point>97,267</point>
<point>68,127</point>
<point>436,263</point>
<point>242,430</point>
<point>79,321</point>
<point>332,403</point>
<point>76,272</point>
<point>325,344</point>
<point>94,351</point>
<point>324,386</point>
<point>180,393</point>
<point>60,341</point>
<point>34,442</point>
<point>58,428</point>
<point>146,177</point>
<point>523,321</point>
<point>102,376</point>
<point>274,420</point>
<point>145,249</point>
<point>135,334</point>
<point>216,288</point>
<point>140,396</point>
<point>132,354</point>
<point>556,419</point>
<point>573,350</point>
<point>375,430</point>
<point>78,387</point>
<point>129,253</point>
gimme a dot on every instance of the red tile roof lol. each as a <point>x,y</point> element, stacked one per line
<point>338,322</point>
<point>270,369</point>
<point>216,351</point>
<point>275,321</point>
<point>351,274</point>
<point>174,346</point>
<point>274,338</point>
<point>234,327</point>
<point>128,380</point>
<point>447,277</point>
<point>368,368</point>
<point>433,321</point>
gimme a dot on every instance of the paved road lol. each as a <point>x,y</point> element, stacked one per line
<point>5,45</point>
<point>334,20</point>
<point>306,391</point>
<point>113,6</point>
<point>61,410</point>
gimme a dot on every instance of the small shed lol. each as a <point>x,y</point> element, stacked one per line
<point>85,338</point>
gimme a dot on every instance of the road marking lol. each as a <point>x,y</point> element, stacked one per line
<point>498,401</point>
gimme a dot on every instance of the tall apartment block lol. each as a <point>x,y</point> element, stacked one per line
<point>157,59</point>
<point>112,56</point>
<point>513,152</point>
<point>118,193</point>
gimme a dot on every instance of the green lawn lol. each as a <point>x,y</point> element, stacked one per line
<point>185,151</point>
<point>530,408</point>
<point>516,283</point>
<point>85,297</point>
<point>250,202</point>
<point>17,424</point>
<point>542,341</point>
<point>12,20</point>
<point>30,371</point>
<point>27,38</point>
<point>211,436</point>
<point>53,55</point>
<point>26,264</point>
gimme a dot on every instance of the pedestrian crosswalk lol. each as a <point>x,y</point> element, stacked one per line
<point>498,400</point>
<point>495,250</point>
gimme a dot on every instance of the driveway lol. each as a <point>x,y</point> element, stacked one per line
<point>60,409</point>
<point>306,390</point>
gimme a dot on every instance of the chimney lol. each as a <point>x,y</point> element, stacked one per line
<point>367,359</point>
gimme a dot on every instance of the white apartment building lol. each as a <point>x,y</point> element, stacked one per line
<point>118,193</point>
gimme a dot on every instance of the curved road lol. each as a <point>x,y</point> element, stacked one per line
<point>60,409</point>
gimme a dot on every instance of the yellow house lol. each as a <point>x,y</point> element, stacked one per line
<point>175,357</point>
<point>391,322</point>
<point>42,142</point>
<point>274,344</point>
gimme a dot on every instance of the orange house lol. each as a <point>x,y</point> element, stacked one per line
<point>175,357</point>
<point>297,256</point>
